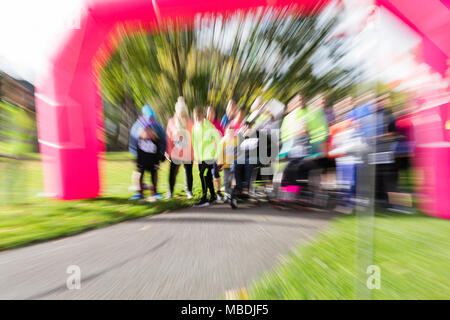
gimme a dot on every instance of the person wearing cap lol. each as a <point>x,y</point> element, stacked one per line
<point>148,116</point>
<point>179,147</point>
<point>147,143</point>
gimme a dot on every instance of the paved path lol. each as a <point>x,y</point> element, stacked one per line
<point>187,254</point>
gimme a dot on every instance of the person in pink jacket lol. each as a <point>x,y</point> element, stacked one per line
<point>212,117</point>
<point>179,147</point>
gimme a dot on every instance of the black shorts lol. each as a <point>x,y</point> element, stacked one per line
<point>151,167</point>
<point>298,170</point>
<point>326,163</point>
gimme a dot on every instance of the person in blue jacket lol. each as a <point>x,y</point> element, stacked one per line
<point>148,119</point>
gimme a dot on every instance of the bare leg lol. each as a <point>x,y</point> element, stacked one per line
<point>217,184</point>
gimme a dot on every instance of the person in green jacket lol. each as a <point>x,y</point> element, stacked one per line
<point>205,142</point>
<point>299,119</point>
<point>317,125</point>
<point>293,125</point>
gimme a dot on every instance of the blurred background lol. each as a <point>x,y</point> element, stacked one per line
<point>351,53</point>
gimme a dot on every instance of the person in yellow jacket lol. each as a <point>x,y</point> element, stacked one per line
<point>227,155</point>
<point>205,142</point>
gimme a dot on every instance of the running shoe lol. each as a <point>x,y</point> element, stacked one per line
<point>150,199</point>
<point>202,203</point>
<point>213,200</point>
<point>136,196</point>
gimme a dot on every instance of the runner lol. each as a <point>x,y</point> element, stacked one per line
<point>148,119</point>
<point>205,142</point>
<point>179,147</point>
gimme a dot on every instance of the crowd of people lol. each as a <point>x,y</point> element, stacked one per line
<point>344,140</point>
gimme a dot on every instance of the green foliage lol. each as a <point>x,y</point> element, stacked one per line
<point>398,99</point>
<point>269,52</point>
<point>26,218</point>
<point>411,251</point>
<point>16,130</point>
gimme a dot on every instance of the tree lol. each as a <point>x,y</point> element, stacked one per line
<point>268,51</point>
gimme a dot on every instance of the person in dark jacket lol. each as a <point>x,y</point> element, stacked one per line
<point>148,116</point>
<point>148,157</point>
<point>147,120</point>
<point>386,140</point>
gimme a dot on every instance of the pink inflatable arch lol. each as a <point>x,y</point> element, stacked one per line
<point>68,102</point>
<point>431,20</point>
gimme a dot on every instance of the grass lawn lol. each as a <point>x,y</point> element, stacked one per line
<point>26,217</point>
<point>412,252</point>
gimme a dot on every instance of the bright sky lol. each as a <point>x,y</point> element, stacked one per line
<point>382,45</point>
<point>29,29</point>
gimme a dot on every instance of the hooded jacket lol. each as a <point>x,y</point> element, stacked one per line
<point>291,123</point>
<point>179,144</point>
<point>179,127</point>
<point>317,125</point>
<point>205,141</point>
<point>219,128</point>
<point>148,118</point>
